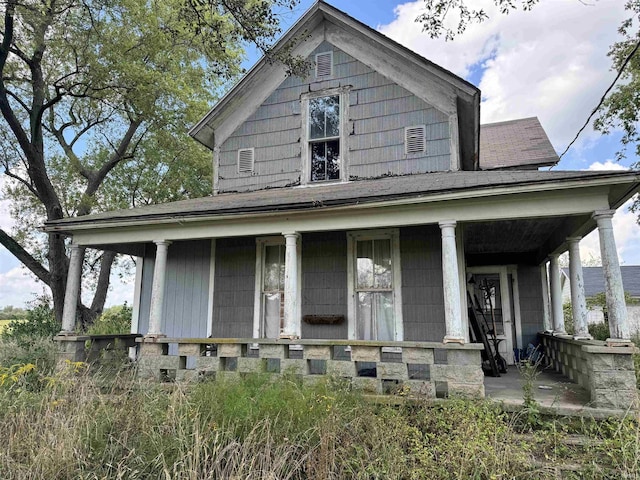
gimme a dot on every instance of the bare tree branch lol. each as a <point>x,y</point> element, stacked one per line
<point>25,257</point>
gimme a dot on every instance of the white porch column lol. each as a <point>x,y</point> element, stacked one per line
<point>557,314</point>
<point>454,329</point>
<point>157,289</point>
<point>291,326</point>
<point>614,290</point>
<point>72,290</point>
<point>578,301</point>
<point>546,307</point>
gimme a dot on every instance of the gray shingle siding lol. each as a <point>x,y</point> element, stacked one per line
<point>378,112</point>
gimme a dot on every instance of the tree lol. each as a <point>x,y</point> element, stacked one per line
<point>434,16</point>
<point>97,96</point>
<point>621,109</point>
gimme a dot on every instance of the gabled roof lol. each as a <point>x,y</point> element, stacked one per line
<point>435,85</point>
<point>594,279</point>
<point>357,193</point>
<point>515,144</point>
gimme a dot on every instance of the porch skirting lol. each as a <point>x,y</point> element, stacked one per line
<point>606,372</point>
<point>374,367</point>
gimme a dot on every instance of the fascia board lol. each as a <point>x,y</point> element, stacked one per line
<point>309,21</point>
<point>343,20</point>
<point>498,192</point>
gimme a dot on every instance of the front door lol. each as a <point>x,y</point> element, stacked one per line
<point>493,297</point>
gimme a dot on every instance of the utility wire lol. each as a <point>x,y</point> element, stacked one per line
<point>626,61</point>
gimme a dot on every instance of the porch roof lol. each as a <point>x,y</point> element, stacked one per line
<point>462,184</point>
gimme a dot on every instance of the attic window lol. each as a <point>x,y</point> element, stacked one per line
<point>245,160</point>
<point>324,64</point>
<point>415,139</point>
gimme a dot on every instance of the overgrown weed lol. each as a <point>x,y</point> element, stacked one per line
<point>276,427</point>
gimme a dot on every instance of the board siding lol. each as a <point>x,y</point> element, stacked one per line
<point>186,295</point>
<point>379,110</point>
<point>422,292</point>
<point>531,305</point>
<point>324,282</point>
<point>234,288</point>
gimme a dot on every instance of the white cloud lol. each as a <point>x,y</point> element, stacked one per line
<point>550,62</point>
<point>627,233</point>
<point>607,165</point>
<point>19,287</point>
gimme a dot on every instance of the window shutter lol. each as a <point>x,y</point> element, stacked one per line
<point>415,140</point>
<point>324,64</point>
<point>245,160</point>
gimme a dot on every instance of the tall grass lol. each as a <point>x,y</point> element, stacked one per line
<point>73,425</point>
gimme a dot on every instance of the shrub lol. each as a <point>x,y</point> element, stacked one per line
<point>599,331</point>
<point>114,320</point>
<point>40,323</point>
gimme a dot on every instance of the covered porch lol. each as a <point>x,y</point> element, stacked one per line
<point>203,306</point>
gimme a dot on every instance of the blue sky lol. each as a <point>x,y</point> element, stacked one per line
<point>550,63</point>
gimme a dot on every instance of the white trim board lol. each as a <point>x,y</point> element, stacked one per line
<point>379,215</point>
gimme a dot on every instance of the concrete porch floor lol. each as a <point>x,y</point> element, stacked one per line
<point>558,395</point>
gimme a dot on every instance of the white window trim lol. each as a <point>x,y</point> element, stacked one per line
<point>261,242</point>
<point>305,151</point>
<point>352,237</point>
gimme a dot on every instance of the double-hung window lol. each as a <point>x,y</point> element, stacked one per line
<point>324,138</point>
<point>324,127</point>
<point>268,319</point>
<point>375,304</point>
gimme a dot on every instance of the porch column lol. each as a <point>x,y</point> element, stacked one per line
<point>546,313</point>
<point>578,301</point>
<point>614,290</point>
<point>157,289</point>
<point>73,288</point>
<point>291,319</point>
<point>556,296</point>
<point>454,330</point>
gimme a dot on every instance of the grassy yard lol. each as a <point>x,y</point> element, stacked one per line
<point>77,425</point>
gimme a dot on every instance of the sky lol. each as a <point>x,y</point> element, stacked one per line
<point>550,62</point>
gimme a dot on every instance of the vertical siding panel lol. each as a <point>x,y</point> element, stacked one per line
<point>234,287</point>
<point>531,306</point>
<point>422,292</point>
<point>324,282</point>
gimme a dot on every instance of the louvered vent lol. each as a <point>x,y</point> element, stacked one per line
<point>415,140</point>
<point>324,64</point>
<point>245,160</point>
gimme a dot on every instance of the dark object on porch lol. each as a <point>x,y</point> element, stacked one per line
<point>323,319</point>
<point>489,365</point>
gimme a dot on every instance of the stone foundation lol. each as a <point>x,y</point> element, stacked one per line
<point>374,367</point>
<point>606,372</point>
<point>93,349</point>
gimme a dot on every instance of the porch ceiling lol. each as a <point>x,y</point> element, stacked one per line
<point>520,241</point>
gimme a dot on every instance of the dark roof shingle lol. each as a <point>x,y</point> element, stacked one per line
<point>340,194</point>
<point>515,144</point>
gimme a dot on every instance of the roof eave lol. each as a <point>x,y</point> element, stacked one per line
<point>68,226</point>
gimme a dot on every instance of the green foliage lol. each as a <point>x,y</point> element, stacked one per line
<point>114,320</point>
<point>599,331</point>
<point>40,323</point>
<point>567,312</point>
<point>12,313</point>
<point>274,427</point>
